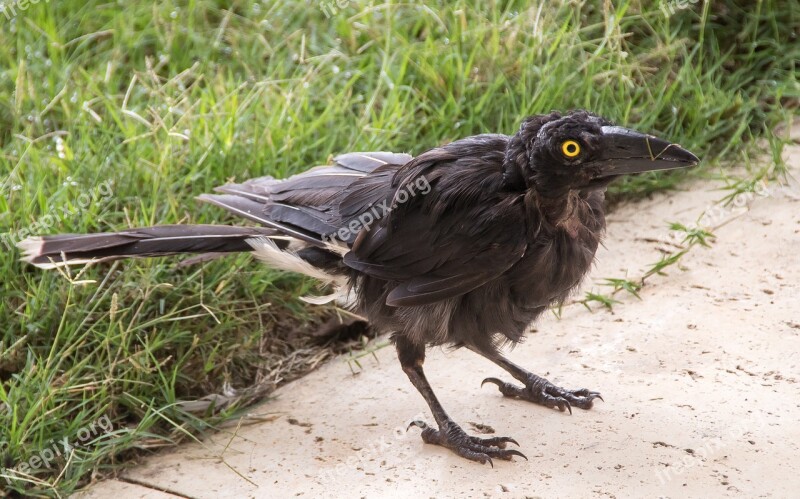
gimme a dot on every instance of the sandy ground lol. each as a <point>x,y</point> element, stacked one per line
<point>700,380</point>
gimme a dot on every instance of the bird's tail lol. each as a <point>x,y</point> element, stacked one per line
<point>75,249</point>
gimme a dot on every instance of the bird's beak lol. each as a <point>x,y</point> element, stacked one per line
<point>628,151</point>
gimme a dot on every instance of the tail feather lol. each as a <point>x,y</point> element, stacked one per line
<point>254,211</point>
<point>75,249</point>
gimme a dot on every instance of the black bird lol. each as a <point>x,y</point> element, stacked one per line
<point>463,245</point>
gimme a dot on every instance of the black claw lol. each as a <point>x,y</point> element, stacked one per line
<point>493,441</point>
<point>511,440</point>
<point>515,452</point>
<point>419,424</point>
<point>585,393</point>
<point>492,380</point>
<point>491,463</point>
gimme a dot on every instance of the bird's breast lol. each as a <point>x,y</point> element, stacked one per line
<point>558,257</point>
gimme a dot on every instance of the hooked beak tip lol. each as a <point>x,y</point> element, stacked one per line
<point>628,151</point>
<point>677,154</point>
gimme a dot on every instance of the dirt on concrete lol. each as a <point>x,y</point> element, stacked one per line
<point>700,381</point>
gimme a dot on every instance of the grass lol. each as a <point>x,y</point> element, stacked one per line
<point>690,237</point>
<point>160,102</point>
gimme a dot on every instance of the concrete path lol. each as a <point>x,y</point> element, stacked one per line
<point>700,380</point>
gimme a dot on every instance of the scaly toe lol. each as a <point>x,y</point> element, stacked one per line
<point>474,448</point>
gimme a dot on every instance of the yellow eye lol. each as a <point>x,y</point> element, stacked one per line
<point>570,148</point>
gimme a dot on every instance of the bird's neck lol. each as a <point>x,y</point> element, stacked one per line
<point>559,213</point>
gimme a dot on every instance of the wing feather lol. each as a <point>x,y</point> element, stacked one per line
<point>463,233</point>
<point>305,205</point>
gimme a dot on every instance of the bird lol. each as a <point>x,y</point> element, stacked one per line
<point>463,245</point>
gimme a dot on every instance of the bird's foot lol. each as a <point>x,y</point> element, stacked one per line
<point>540,391</point>
<point>477,449</point>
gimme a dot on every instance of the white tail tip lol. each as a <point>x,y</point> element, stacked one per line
<point>31,248</point>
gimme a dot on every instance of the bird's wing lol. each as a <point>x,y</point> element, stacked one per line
<point>302,206</point>
<point>447,241</point>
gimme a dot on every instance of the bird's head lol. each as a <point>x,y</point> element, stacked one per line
<point>556,153</point>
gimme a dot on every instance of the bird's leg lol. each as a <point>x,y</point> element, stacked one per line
<point>537,389</point>
<point>449,434</point>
